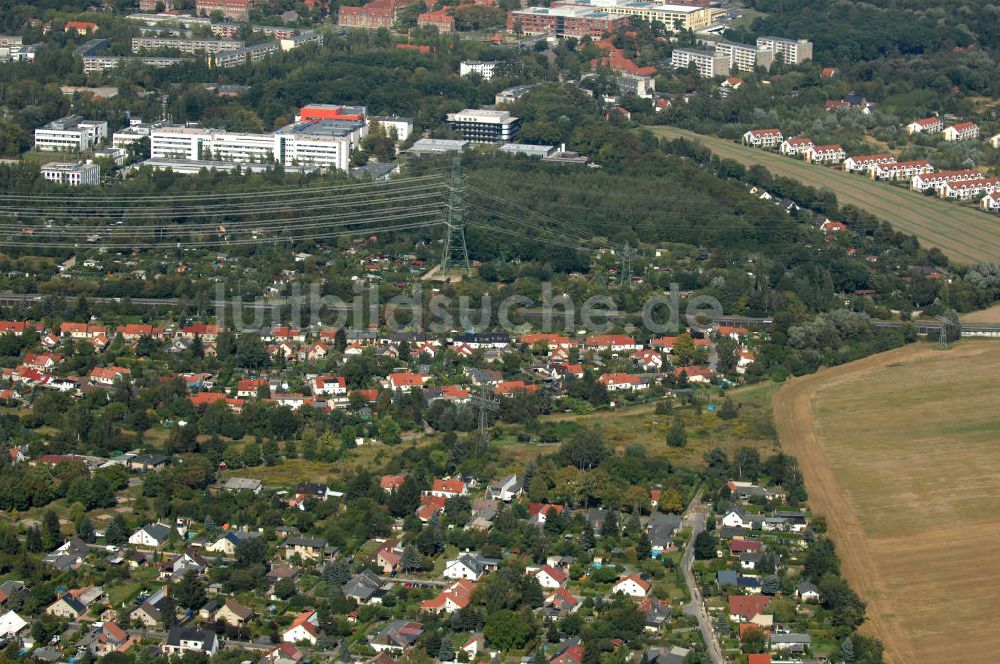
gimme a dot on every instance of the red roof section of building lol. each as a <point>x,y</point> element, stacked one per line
<point>747,606</point>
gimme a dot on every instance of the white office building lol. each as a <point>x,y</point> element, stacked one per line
<point>484,69</point>
<point>794,51</point>
<point>70,134</point>
<point>485,125</point>
<point>327,143</point>
<point>402,126</point>
<point>72,174</point>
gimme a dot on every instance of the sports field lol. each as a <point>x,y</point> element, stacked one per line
<point>965,235</point>
<point>900,452</point>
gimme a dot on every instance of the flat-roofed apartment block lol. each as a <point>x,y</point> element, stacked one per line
<point>140,44</point>
<point>485,126</point>
<point>70,134</point>
<point>745,57</point>
<point>565,21</point>
<point>244,55</point>
<point>793,51</point>
<point>706,62</point>
<point>72,174</point>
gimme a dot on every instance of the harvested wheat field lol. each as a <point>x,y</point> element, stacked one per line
<point>901,453</point>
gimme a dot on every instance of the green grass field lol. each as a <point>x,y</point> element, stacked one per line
<point>966,235</point>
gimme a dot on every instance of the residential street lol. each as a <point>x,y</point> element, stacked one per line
<point>696,516</point>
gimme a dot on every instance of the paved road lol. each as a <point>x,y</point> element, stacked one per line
<point>695,516</point>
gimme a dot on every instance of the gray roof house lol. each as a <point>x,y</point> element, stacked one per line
<point>364,587</point>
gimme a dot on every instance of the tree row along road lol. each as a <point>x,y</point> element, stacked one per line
<point>963,234</point>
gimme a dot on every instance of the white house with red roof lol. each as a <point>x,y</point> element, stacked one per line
<point>509,388</point>
<point>795,147</point>
<point>550,577</point>
<point>963,131</point>
<point>391,483</point>
<point>925,126</point>
<point>622,382</point>
<point>107,375</point>
<point>733,332</point>
<point>830,226</point>
<point>647,359</point>
<point>990,203</point>
<point>329,386</point>
<point>449,487</point>
<point>901,170</point>
<point>539,512</point>
<point>203,331</point>
<point>248,388</point>
<point>305,628</point>
<point>453,598</point>
<point>42,361</point>
<point>81,330</point>
<point>632,585</point>
<point>613,342</point>
<point>763,138</point>
<point>965,189</point>
<point>562,601</point>
<point>824,154</point>
<point>315,351</point>
<point>404,381</point>
<point>864,163</point>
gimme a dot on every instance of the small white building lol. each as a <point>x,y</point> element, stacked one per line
<point>963,131</point>
<point>632,585</point>
<point>72,174</point>
<point>483,68</point>
<point>763,138</point>
<point>151,536</point>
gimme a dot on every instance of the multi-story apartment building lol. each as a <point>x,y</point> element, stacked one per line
<point>72,174</point>
<point>92,63</point>
<point>136,131</point>
<point>70,134</point>
<point>793,51</point>
<point>485,126</point>
<point>745,57</point>
<point>237,10</point>
<point>925,126</point>
<point>140,44</point>
<point>963,131</point>
<point>565,21</point>
<point>763,138</point>
<point>707,62</point>
<point>244,55</point>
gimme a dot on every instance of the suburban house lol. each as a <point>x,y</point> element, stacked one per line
<point>364,588</point>
<point>622,382</point>
<point>763,138</point>
<point>795,147</point>
<point>107,375</point>
<point>632,585</point>
<point>181,640</point>
<point>226,545</point>
<point>550,577</point>
<point>233,613</point>
<point>505,489</point>
<point>151,536</point>
<point>470,566</point>
<point>807,592</point>
<point>391,483</point>
<point>397,636</point>
<point>305,628</point>
<point>990,203</point>
<point>307,548</point>
<point>453,598</point>
<point>449,488</point>
<point>11,624</point>
<point>329,386</point>
<point>743,608</point>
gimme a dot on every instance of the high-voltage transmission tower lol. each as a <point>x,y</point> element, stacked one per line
<point>626,264</point>
<point>484,404</point>
<point>455,250</point>
<point>943,333</point>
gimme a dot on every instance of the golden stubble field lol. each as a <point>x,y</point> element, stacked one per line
<point>901,453</point>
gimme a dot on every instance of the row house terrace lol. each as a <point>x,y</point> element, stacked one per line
<point>935,180</point>
<point>795,147</point>
<point>901,170</point>
<point>763,138</point>
<point>965,189</point>
<point>865,163</point>
<point>825,154</point>
<point>963,131</point>
<point>990,203</point>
